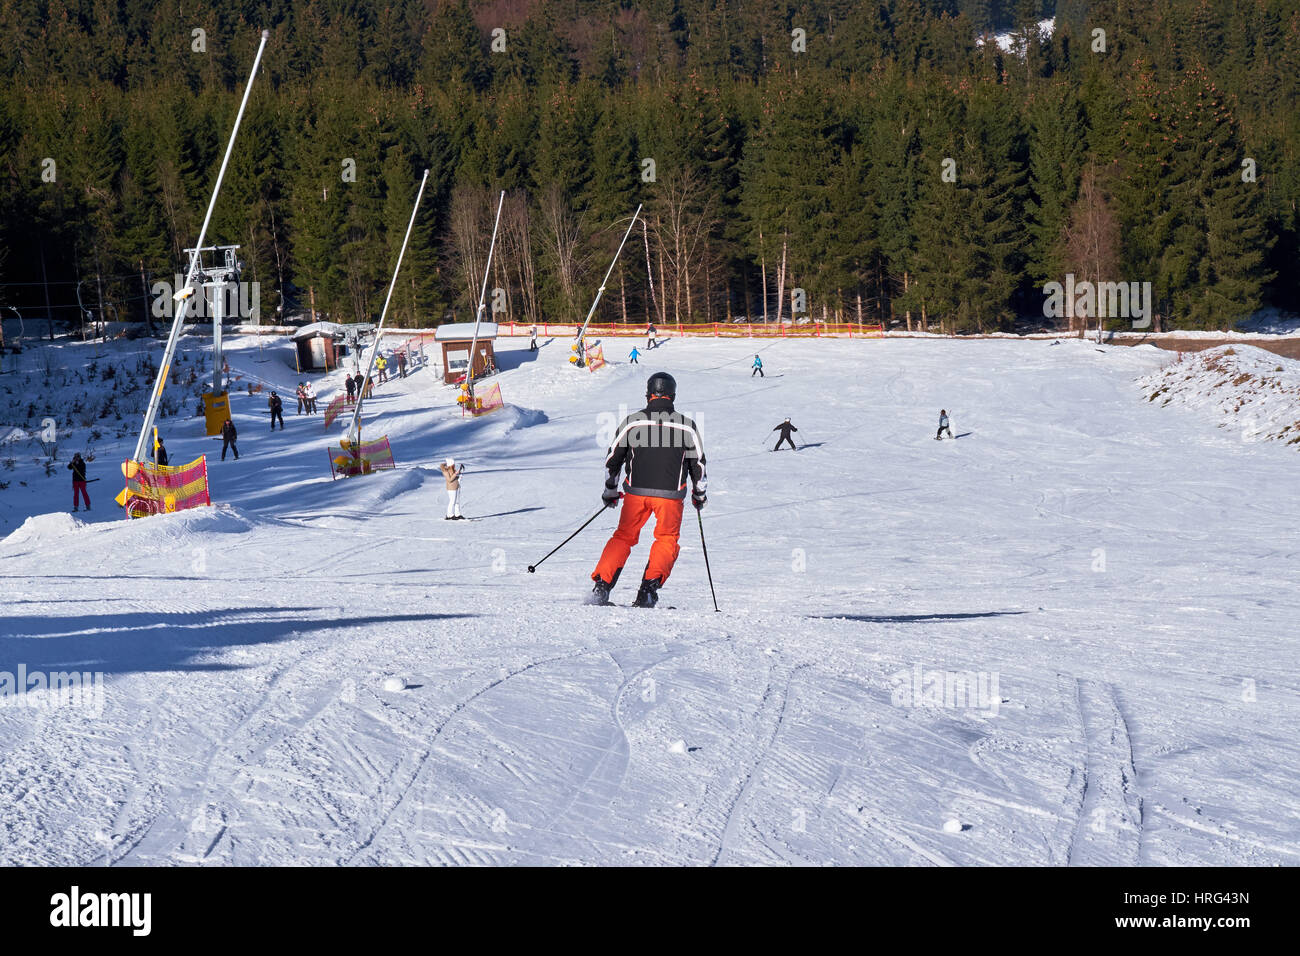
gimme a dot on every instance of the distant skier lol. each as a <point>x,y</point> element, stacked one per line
<point>650,340</point>
<point>633,355</point>
<point>351,386</point>
<point>659,448</point>
<point>758,368</point>
<point>160,453</point>
<point>943,425</point>
<point>451,473</point>
<point>381,363</point>
<point>302,399</point>
<point>365,386</point>
<point>78,469</point>
<point>277,410</point>
<point>309,395</point>
<point>532,343</point>
<point>785,428</point>
<point>401,365</point>
<point>228,436</point>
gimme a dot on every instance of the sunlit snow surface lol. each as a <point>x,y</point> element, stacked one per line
<point>1118,579</point>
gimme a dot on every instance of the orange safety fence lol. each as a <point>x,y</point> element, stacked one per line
<point>757,330</point>
<point>374,455</point>
<point>486,401</point>
<point>162,489</point>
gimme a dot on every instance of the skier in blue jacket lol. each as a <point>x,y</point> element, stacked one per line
<point>633,355</point>
<point>758,368</point>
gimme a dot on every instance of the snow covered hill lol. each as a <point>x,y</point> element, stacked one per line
<point>1067,637</point>
<point>1246,388</point>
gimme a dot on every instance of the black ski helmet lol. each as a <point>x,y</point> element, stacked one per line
<point>661,383</point>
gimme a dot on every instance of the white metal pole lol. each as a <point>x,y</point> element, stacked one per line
<point>165,365</point>
<point>354,432</point>
<point>482,299</point>
<point>601,291</point>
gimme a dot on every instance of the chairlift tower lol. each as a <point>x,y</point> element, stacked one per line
<point>217,275</point>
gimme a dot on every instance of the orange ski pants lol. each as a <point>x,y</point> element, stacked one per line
<point>637,509</point>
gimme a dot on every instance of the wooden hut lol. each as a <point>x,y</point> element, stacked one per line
<point>455,341</point>
<point>318,346</point>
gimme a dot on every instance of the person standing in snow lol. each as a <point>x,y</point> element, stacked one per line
<point>785,428</point>
<point>160,453</point>
<point>228,436</point>
<point>650,334</point>
<point>451,473</point>
<point>381,363</point>
<point>532,343</point>
<point>401,365</point>
<point>758,368</point>
<point>350,386</point>
<point>277,410</point>
<point>633,355</point>
<point>302,399</point>
<point>659,448</point>
<point>309,396</point>
<point>78,469</point>
<point>943,425</point>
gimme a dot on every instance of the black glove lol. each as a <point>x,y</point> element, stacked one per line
<point>611,494</point>
<point>699,496</point>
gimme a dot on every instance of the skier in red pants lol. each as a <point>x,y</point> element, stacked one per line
<point>659,449</point>
<point>79,493</point>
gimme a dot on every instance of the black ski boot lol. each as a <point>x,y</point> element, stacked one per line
<point>648,594</point>
<point>599,593</point>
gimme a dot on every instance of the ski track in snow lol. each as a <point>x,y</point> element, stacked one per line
<point>1118,566</point>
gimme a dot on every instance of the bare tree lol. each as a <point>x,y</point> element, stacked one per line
<point>684,218</point>
<point>470,223</point>
<point>560,230</point>
<point>517,252</point>
<point>1091,235</point>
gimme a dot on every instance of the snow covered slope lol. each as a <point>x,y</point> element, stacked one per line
<point>1071,631</point>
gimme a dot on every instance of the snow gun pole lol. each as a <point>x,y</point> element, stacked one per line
<point>706,559</point>
<point>184,294</point>
<point>532,568</point>
<point>482,300</point>
<point>601,291</point>
<point>354,432</point>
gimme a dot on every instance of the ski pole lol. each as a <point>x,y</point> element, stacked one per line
<point>706,559</point>
<point>532,568</point>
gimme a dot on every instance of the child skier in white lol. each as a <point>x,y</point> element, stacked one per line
<point>943,425</point>
<point>451,473</point>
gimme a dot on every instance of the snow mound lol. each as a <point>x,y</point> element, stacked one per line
<point>1242,386</point>
<point>400,482</point>
<point>10,434</point>
<point>525,418</point>
<point>216,519</point>
<point>45,527</point>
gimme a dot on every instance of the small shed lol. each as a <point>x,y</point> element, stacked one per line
<point>455,340</point>
<point>318,346</point>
